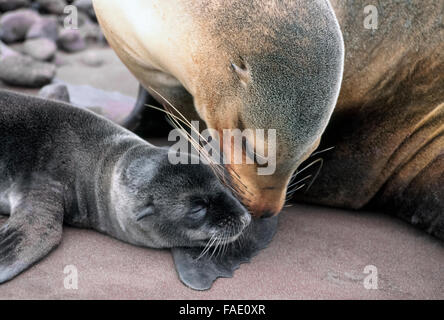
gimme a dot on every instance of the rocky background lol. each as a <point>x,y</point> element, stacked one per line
<point>39,55</point>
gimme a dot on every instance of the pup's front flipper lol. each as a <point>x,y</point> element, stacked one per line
<point>32,231</point>
<point>199,274</point>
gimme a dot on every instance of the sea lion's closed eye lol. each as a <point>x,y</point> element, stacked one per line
<point>145,213</point>
<point>198,209</point>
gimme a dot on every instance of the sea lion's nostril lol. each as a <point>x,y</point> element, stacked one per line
<point>242,72</point>
<point>267,214</point>
<point>246,219</point>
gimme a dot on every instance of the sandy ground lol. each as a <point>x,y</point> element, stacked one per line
<point>317,253</point>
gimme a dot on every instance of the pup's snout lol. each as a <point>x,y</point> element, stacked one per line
<point>246,219</point>
<point>268,214</point>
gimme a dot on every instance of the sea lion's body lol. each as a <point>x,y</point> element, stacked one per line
<point>60,164</point>
<point>388,124</point>
<point>387,127</point>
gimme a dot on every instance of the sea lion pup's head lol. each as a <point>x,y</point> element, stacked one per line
<point>159,204</point>
<point>267,64</point>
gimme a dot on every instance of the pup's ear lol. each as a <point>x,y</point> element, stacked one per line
<point>145,212</point>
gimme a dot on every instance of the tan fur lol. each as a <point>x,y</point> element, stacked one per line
<point>388,125</point>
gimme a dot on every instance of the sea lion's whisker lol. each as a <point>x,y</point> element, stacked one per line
<point>202,253</point>
<point>184,119</point>
<point>309,165</point>
<point>196,144</point>
<point>215,247</point>
<point>321,151</point>
<point>292,192</point>
<point>234,171</point>
<point>207,246</point>
<point>219,251</point>
<point>190,139</point>
<point>316,175</point>
<point>224,241</point>
<point>217,169</point>
<point>174,121</point>
<point>218,246</point>
<point>297,182</point>
<point>228,244</point>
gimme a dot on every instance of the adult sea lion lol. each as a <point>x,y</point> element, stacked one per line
<point>60,164</point>
<point>263,64</point>
<point>278,64</point>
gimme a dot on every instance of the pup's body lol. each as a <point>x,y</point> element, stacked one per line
<point>62,164</point>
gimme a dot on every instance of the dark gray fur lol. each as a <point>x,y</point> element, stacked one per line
<point>199,274</point>
<point>63,164</point>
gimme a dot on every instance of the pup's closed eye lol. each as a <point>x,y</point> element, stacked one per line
<point>198,209</point>
<point>145,213</point>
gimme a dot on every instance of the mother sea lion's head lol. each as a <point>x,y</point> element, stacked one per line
<point>267,64</point>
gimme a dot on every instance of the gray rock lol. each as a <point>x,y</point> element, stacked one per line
<point>61,60</point>
<point>8,5</point>
<point>92,59</point>
<point>92,33</point>
<point>56,91</point>
<point>6,51</point>
<point>41,49</point>
<point>85,6</point>
<point>71,40</point>
<point>52,6</point>
<point>15,24</point>
<point>111,104</point>
<point>82,18</point>
<point>45,27</point>
<point>19,70</point>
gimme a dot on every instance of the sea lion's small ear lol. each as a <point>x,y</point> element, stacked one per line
<point>242,71</point>
<point>145,212</point>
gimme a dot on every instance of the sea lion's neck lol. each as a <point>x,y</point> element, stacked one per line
<point>159,25</point>
<point>101,209</point>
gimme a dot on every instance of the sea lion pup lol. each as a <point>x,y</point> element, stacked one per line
<point>60,164</point>
<point>263,64</point>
